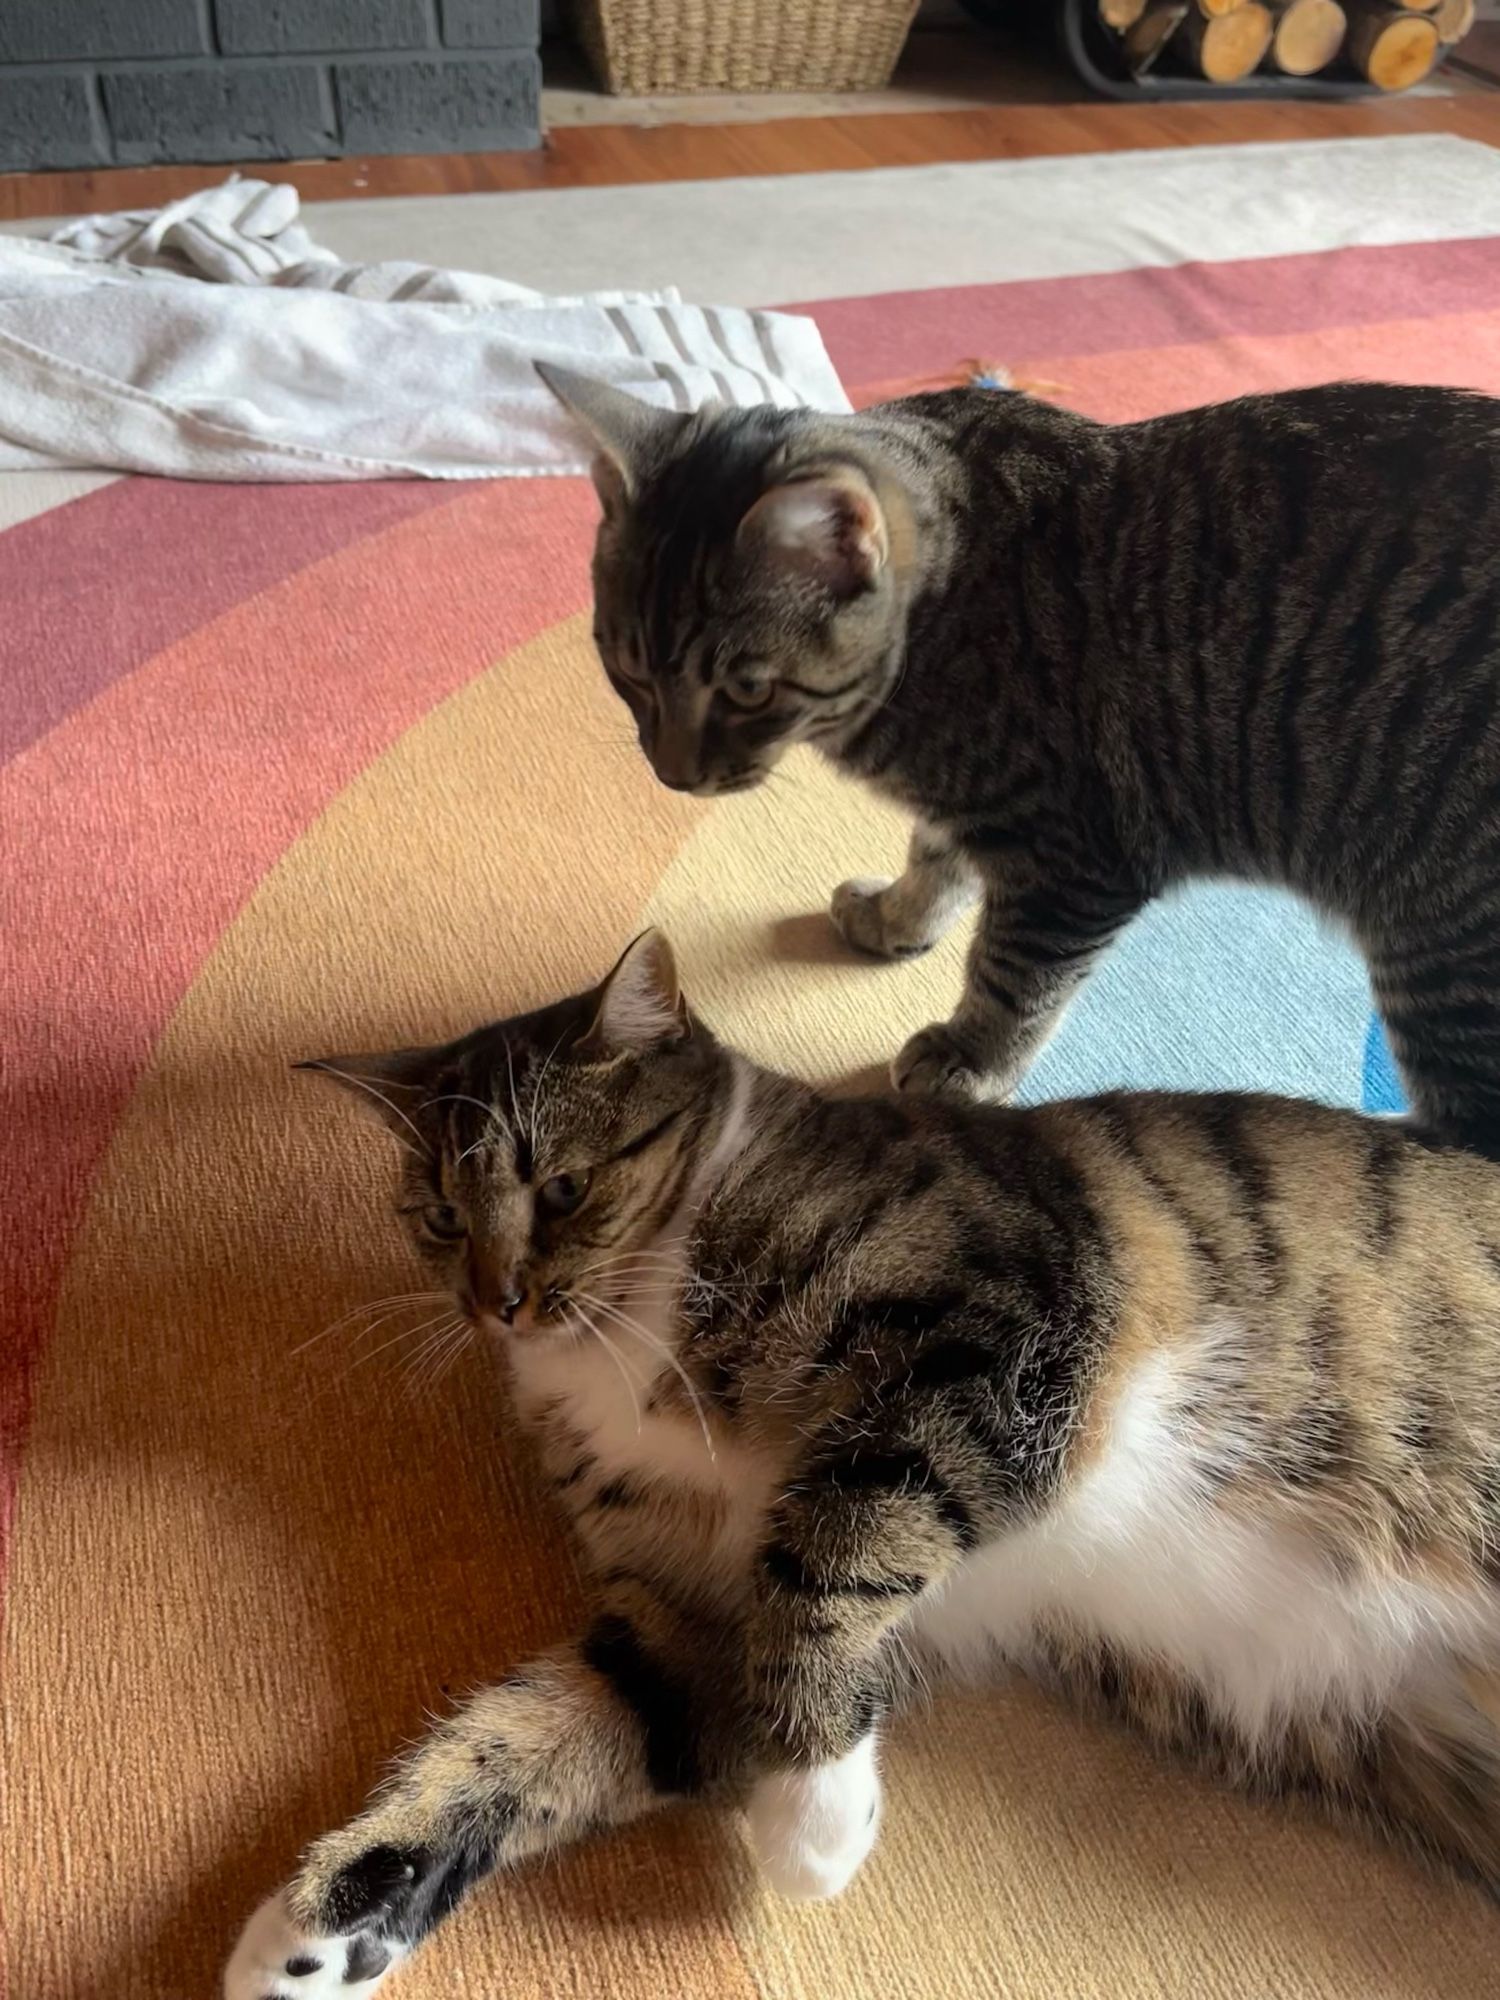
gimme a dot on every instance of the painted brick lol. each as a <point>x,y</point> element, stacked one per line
<point>460,104</point>
<point>218,111</point>
<point>96,30</point>
<point>491,24</point>
<point>45,121</point>
<point>303,27</point>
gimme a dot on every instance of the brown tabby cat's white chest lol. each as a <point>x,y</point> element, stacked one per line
<point>619,1412</point>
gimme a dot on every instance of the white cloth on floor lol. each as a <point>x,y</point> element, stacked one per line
<point>214,339</point>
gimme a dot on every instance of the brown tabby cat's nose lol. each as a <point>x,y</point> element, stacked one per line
<point>509,1303</point>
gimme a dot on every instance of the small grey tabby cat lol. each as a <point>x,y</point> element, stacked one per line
<point>1255,640</point>
<point>1190,1405</point>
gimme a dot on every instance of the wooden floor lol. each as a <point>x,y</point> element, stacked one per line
<point>594,156</point>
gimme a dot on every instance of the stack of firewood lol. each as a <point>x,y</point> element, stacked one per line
<point>1391,43</point>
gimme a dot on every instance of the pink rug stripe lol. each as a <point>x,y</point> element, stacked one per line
<point>933,331</point>
<point>99,585</point>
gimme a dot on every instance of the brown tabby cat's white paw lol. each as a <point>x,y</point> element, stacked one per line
<point>812,1830</point>
<point>278,1958</point>
<point>861,915</point>
<point>936,1062</point>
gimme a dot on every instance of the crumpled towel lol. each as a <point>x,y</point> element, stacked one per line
<point>215,339</point>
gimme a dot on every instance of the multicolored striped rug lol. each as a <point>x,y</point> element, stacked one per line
<point>290,769</point>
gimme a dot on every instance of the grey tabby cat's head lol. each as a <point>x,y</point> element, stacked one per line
<point>541,1156</point>
<point>745,596</point>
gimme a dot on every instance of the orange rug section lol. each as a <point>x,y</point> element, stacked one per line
<point>378,793</point>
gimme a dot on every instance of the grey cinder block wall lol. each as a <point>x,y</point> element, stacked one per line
<point>120,82</point>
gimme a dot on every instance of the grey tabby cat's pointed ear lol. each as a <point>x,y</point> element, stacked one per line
<point>627,431</point>
<point>640,1003</point>
<point>828,526</point>
<point>387,1086</point>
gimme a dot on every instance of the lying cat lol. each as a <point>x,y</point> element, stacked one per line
<point>1190,1405</point>
<point>1257,640</point>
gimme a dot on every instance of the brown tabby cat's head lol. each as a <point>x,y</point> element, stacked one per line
<point>743,587</point>
<point>543,1155</point>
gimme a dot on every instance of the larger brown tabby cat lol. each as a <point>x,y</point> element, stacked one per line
<point>1255,640</point>
<point>1189,1404</point>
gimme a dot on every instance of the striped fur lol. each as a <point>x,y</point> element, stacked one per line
<point>1190,1406</point>
<point>1258,640</point>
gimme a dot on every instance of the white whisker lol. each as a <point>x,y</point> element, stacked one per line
<point>510,1071</point>
<point>609,1348</point>
<point>363,1083</point>
<point>407,1333</point>
<point>382,1308</point>
<point>633,1325</point>
<point>536,1088</point>
<point>420,1370</point>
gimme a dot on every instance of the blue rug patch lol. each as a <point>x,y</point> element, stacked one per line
<point>1223,987</point>
<point>1382,1086</point>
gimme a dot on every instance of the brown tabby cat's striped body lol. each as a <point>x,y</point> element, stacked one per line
<point>1258,640</point>
<point>1190,1404</point>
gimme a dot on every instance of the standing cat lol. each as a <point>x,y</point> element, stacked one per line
<point>1254,640</point>
<point>1190,1405</point>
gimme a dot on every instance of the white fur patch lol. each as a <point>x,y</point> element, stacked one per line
<point>812,1830</point>
<point>272,1941</point>
<point>1143,1553</point>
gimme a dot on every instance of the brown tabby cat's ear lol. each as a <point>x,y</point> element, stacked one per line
<point>388,1086</point>
<point>827,526</point>
<point>628,432</point>
<point>640,1003</point>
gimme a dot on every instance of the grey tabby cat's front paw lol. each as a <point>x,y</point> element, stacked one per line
<point>861,915</point>
<point>937,1062</point>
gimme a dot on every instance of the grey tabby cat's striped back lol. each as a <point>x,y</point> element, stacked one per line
<point>1258,640</point>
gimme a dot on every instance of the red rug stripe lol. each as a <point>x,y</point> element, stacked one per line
<point>94,588</point>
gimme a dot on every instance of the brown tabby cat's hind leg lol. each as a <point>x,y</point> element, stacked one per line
<point>1423,1774</point>
<point>1441,1008</point>
<point>1426,1776</point>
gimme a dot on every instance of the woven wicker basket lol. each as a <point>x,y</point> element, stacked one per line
<point>643,47</point>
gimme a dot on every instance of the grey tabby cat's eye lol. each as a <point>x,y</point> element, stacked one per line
<point>749,692</point>
<point>1260,640</point>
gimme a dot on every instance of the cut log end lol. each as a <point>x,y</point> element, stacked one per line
<point>1227,48</point>
<point>1392,47</point>
<point>1453,20</point>
<point>1121,14</point>
<point>1308,35</point>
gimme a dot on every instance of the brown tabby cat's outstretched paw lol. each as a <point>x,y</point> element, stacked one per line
<point>861,916</point>
<point>935,1061</point>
